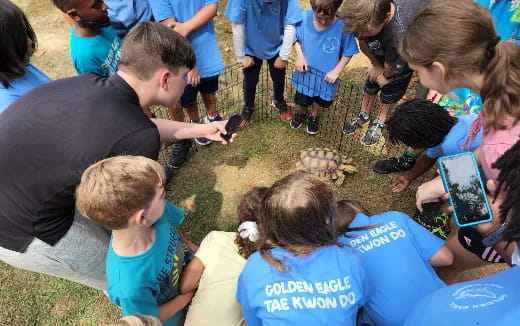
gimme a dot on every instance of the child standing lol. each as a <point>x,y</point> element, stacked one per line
<point>405,249</point>
<point>301,274</point>
<point>379,25</point>
<point>263,30</point>
<point>194,20</point>
<point>323,51</point>
<point>214,271</point>
<point>147,252</point>
<point>94,44</point>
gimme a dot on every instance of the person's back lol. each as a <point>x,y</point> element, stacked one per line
<point>397,254</point>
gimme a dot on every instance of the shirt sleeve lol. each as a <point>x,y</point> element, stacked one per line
<point>293,14</point>
<point>243,298</point>
<point>143,303</point>
<point>204,252</point>
<point>6,100</point>
<point>161,9</point>
<point>348,42</point>
<point>287,43</point>
<point>236,11</point>
<point>210,2</point>
<point>143,142</point>
<point>85,65</point>
<point>299,33</point>
<point>426,243</point>
<point>434,152</point>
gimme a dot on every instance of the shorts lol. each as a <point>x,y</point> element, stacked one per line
<point>207,85</point>
<point>471,240</point>
<point>393,91</point>
<point>305,100</point>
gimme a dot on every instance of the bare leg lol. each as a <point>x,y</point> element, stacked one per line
<point>367,103</point>
<point>176,113</point>
<point>383,113</point>
<point>193,112</point>
<point>315,109</point>
<point>210,102</point>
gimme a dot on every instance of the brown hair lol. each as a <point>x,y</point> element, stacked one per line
<point>294,217</point>
<point>113,189</point>
<point>348,209</point>
<point>461,35</point>
<point>248,210</point>
<point>361,17</point>
<point>326,7</point>
<point>150,46</point>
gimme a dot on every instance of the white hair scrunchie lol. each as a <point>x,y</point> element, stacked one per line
<point>248,230</point>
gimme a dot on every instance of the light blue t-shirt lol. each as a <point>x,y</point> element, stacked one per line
<point>489,301</point>
<point>141,283</point>
<point>99,54</point>
<point>322,51</point>
<point>19,86</point>
<point>325,287</point>
<point>203,40</point>
<point>264,21</point>
<point>126,14</point>
<point>395,254</point>
<point>455,139</point>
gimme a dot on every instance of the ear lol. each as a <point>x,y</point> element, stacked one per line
<point>138,218</point>
<point>439,68</point>
<point>73,13</point>
<point>164,76</point>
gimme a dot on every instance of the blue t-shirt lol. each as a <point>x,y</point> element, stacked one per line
<point>325,287</point>
<point>126,14</point>
<point>141,283</point>
<point>395,254</point>
<point>19,86</point>
<point>456,137</point>
<point>99,54</point>
<point>203,40</point>
<point>264,22</point>
<point>492,300</point>
<point>322,51</point>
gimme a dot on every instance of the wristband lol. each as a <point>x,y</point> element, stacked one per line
<point>494,237</point>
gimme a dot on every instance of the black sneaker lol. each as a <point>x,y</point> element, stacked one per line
<point>297,120</point>
<point>312,125</point>
<point>394,164</point>
<point>168,172</point>
<point>434,220</point>
<point>180,152</point>
<point>355,124</point>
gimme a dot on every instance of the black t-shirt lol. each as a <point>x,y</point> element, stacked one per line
<point>385,44</point>
<point>48,138</point>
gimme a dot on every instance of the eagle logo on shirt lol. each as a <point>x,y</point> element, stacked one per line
<point>331,44</point>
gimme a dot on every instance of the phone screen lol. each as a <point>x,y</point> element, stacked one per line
<point>463,183</point>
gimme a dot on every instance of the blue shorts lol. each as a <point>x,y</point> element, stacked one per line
<point>206,86</point>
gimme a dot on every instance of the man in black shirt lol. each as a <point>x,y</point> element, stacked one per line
<point>53,133</point>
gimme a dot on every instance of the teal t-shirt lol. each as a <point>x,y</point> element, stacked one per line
<point>99,54</point>
<point>139,284</point>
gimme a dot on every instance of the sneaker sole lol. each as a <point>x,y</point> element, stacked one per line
<point>298,127</point>
<point>203,144</point>
<point>312,133</point>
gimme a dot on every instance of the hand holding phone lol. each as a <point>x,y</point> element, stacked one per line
<point>461,179</point>
<point>232,126</point>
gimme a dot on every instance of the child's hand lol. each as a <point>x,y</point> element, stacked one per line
<point>401,183</point>
<point>249,62</point>
<point>194,76</point>
<point>382,81</point>
<point>331,76</point>
<point>214,129</point>
<point>279,63</point>
<point>428,192</point>
<point>181,28</point>
<point>301,64</point>
<point>373,72</point>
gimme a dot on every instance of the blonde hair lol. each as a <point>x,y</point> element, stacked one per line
<point>361,17</point>
<point>461,36</point>
<point>113,189</point>
<point>137,320</point>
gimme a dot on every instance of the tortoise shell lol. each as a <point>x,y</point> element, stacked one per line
<point>320,159</point>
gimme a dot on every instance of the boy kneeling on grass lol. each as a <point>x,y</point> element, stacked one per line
<point>147,252</point>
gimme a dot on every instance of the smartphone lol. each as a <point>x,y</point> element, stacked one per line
<point>232,126</point>
<point>461,178</point>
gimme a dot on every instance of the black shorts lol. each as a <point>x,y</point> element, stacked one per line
<point>305,100</point>
<point>394,90</point>
<point>206,86</point>
<point>470,239</point>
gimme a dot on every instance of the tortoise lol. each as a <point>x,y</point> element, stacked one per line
<point>325,163</point>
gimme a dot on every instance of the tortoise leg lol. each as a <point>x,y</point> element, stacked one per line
<point>340,179</point>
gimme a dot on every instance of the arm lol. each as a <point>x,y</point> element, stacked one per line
<point>301,62</point>
<point>443,257</point>
<point>170,308</point>
<point>239,41</point>
<point>423,164</point>
<point>170,22</point>
<point>288,38</point>
<point>363,46</point>
<point>191,276</point>
<point>201,18</point>
<point>333,75</point>
<point>173,130</point>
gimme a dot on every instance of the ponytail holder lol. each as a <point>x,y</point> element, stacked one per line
<point>249,230</point>
<point>491,48</point>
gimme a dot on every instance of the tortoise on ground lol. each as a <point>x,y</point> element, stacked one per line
<point>325,163</point>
